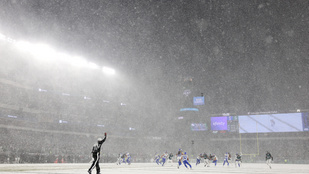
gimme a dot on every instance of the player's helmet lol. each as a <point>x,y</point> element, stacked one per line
<point>100,139</point>
<point>185,153</point>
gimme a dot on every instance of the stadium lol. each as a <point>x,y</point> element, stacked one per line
<point>152,94</point>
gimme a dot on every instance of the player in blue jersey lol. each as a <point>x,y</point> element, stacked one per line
<point>157,159</point>
<point>128,158</point>
<point>198,159</point>
<point>185,160</point>
<point>164,158</point>
<point>214,159</point>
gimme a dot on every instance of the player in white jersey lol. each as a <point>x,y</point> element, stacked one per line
<point>179,154</point>
<point>227,158</point>
<point>164,158</point>
<point>185,160</point>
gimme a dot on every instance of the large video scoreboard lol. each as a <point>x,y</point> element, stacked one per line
<point>263,123</point>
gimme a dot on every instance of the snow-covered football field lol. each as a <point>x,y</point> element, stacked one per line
<point>152,168</point>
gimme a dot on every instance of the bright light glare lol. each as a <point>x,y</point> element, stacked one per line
<point>25,46</point>
<point>2,36</point>
<point>44,51</point>
<point>7,39</point>
<point>63,56</point>
<point>93,65</point>
<point>10,40</point>
<point>108,70</point>
<point>40,50</point>
<point>76,61</point>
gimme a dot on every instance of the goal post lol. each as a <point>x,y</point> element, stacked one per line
<point>257,148</point>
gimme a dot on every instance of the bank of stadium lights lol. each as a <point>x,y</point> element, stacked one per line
<point>12,116</point>
<point>63,122</point>
<point>93,65</point>
<point>65,94</point>
<point>2,36</point>
<point>45,52</point>
<point>107,70</point>
<point>87,98</point>
<point>39,50</point>
<point>42,90</point>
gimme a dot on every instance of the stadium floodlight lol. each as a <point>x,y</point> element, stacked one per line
<point>93,65</point>
<point>10,40</point>
<point>108,70</point>
<point>38,50</point>
<point>24,45</point>
<point>12,116</point>
<point>62,57</point>
<point>87,98</point>
<point>63,122</point>
<point>77,61</point>
<point>65,94</point>
<point>2,36</point>
<point>44,51</point>
<point>7,39</point>
<point>42,90</point>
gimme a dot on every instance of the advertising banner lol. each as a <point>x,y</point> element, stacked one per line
<point>218,123</point>
<point>198,100</point>
<point>198,127</point>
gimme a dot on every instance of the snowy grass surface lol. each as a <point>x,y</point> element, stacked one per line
<point>152,168</point>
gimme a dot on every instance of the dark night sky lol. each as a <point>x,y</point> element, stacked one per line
<point>244,55</point>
